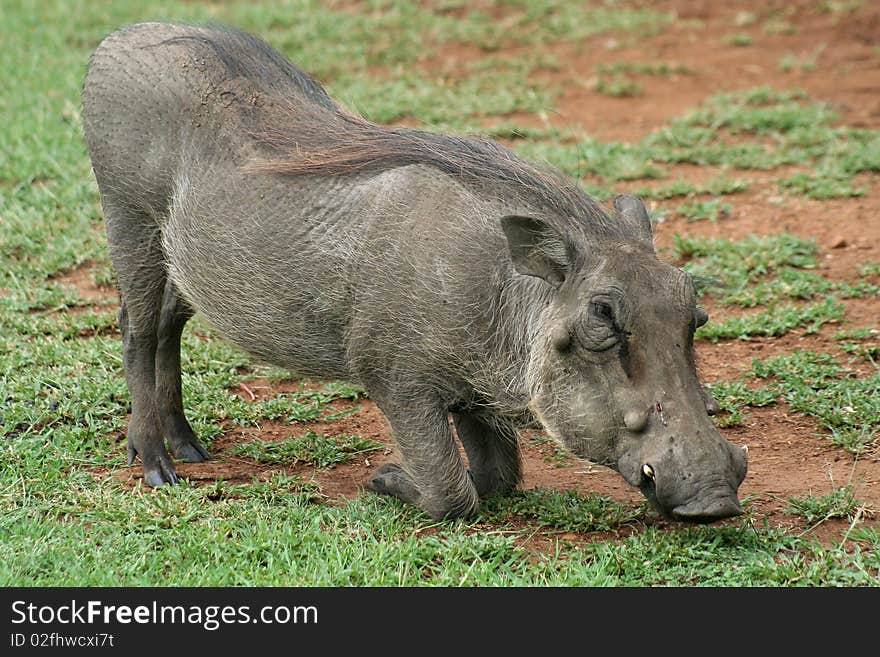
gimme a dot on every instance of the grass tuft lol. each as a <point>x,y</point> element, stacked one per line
<point>815,509</point>
<point>315,449</point>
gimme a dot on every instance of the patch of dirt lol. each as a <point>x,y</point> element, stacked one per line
<point>94,295</point>
<point>342,480</point>
<point>789,455</point>
<point>846,73</point>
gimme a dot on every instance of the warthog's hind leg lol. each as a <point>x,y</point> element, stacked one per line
<point>169,397</point>
<point>144,432</point>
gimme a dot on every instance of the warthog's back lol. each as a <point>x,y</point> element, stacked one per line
<point>155,91</point>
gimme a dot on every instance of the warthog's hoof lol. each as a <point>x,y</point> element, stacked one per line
<point>159,477</point>
<point>391,479</point>
<point>158,469</point>
<point>191,452</point>
<point>183,441</point>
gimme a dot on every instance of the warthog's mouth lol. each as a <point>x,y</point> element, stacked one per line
<point>703,513</point>
<point>701,509</point>
<point>705,491</point>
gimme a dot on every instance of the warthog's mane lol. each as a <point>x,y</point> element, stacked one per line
<point>304,132</point>
<point>348,144</point>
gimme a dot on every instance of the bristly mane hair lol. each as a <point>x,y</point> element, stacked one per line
<point>305,132</point>
<point>349,144</point>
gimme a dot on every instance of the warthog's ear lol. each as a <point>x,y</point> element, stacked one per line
<point>536,249</point>
<point>634,215</point>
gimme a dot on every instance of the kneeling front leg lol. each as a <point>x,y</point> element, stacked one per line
<point>432,474</point>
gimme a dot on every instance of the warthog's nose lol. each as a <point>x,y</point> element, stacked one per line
<point>704,511</point>
<point>718,500</point>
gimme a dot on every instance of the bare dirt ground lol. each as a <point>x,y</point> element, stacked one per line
<point>789,454</point>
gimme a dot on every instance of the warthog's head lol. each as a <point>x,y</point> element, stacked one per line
<point>612,373</point>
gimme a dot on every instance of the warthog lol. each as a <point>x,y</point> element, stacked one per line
<point>445,274</point>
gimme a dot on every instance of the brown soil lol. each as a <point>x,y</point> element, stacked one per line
<point>789,455</point>
<point>93,295</point>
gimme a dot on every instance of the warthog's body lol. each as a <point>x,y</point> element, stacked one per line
<point>444,274</point>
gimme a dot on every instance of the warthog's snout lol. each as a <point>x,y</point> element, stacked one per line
<point>687,496</point>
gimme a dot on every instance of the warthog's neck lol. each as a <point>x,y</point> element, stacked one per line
<point>504,382</point>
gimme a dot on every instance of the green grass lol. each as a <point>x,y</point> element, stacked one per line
<point>776,320</point>
<point>315,449</point>
<point>805,62</point>
<point>823,185</point>
<point>585,156</point>
<point>662,69</point>
<point>845,405</point>
<point>554,453</point>
<point>778,25</point>
<point>619,86</point>
<point>839,503</point>
<point>563,511</point>
<point>758,129</point>
<point>716,186</point>
<point>441,102</point>
<point>856,334</point>
<point>65,519</point>
<point>275,533</point>
<point>304,406</point>
<point>738,265</point>
<point>764,271</point>
<point>766,129</point>
<point>817,385</point>
<point>869,269</point>
<point>734,397</point>
<point>740,39</point>
<point>697,557</point>
<point>867,352</point>
<point>711,210</point>
<point>772,286</point>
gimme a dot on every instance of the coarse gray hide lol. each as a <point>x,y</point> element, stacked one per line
<point>450,278</point>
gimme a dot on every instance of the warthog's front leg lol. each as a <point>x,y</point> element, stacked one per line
<point>432,475</point>
<point>493,452</point>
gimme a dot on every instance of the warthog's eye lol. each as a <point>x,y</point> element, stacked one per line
<point>602,329</point>
<point>603,311</point>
